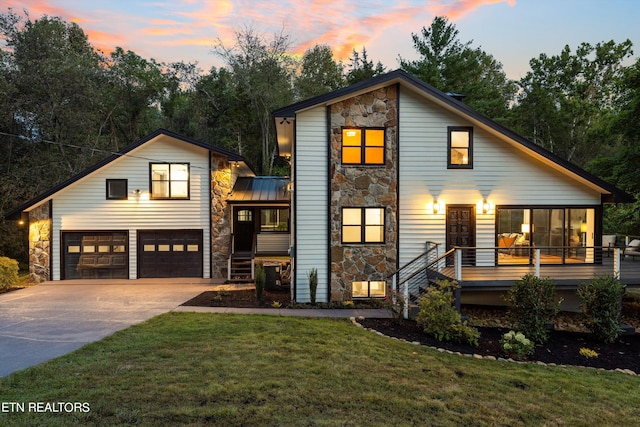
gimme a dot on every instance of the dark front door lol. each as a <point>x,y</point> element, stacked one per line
<point>461,231</point>
<point>243,229</point>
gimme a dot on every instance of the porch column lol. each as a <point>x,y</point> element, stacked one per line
<point>616,262</point>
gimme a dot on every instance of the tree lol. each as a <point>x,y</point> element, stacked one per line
<point>319,73</point>
<point>263,72</point>
<point>566,99</point>
<point>361,68</point>
<point>453,66</point>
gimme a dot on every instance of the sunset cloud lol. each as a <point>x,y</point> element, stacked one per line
<point>186,30</point>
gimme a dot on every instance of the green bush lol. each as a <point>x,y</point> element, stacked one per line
<point>516,345</point>
<point>439,318</point>
<point>600,302</point>
<point>532,301</point>
<point>261,278</point>
<point>313,284</point>
<point>8,272</point>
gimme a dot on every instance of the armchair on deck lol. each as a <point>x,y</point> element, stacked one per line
<point>632,249</point>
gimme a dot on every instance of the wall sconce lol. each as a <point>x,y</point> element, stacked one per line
<point>485,206</point>
<point>436,206</point>
<point>236,164</point>
<point>136,194</point>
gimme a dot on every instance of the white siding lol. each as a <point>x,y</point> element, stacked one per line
<point>311,202</point>
<point>83,206</point>
<point>501,174</point>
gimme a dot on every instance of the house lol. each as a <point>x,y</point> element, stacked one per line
<point>383,166</point>
<point>164,206</point>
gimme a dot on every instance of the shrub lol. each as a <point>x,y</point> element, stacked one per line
<point>600,302</point>
<point>516,345</point>
<point>8,272</point>
<point>532,301</point>
<point>313,284</point>
<point>395,303</point>
<point>439,318</point>
<point>261,278</point>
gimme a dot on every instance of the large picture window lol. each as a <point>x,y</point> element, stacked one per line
<point>460,142</point>
<point>363,225</point>
<point>169,180</point>
<point>363,146</point>
<point>563,235</point>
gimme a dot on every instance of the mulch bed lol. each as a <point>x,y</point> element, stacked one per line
<point>562,348</point>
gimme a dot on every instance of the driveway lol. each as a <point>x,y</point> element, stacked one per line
<point>55,318</point>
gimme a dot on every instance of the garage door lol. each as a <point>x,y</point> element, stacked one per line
<point>170,253</point>
<point>95,255</point>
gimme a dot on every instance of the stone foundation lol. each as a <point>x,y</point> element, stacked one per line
<point>364,186</point>
<point>220,216</point>
<point>40,244</point>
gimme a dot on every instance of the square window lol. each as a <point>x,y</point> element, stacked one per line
<point>169,180</point>
<point>117,189</point>
<point>460,154</point>
<point>363,146</point>
<point>363,225</point>
<point>369,289</point>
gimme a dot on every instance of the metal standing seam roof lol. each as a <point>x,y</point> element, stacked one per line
<point>260,189</point>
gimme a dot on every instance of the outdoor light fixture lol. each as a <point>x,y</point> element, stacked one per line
<point>137,193</point>
<point>485,206</point>
<point>436,206</point>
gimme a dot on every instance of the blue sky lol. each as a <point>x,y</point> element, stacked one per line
<point>513,31</point>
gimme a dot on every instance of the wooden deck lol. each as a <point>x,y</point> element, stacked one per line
<point>566,276</point>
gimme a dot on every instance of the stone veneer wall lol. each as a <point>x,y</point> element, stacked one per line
<point>40,244</point>
<point>364,186</point>
<point>220,216</point>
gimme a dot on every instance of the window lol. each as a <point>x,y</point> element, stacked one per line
<point>245,215</point>
<point>169,180</point>
<point>363,146</point>
<point>117,189</point>
<point>460,154</point>
<point>276,219</point>
<point>363,225</point>
<point>368,289</point>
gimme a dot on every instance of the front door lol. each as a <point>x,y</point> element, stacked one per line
<point>243,229</point>
<point>461,231</point>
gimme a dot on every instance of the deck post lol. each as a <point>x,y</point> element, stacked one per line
<point>537,262</point>
<point>458,265</point>
<point>405,292</point>
<point>616,262</point>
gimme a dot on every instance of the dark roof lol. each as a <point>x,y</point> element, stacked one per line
<point>15,213</point>
<point>261,189</point>
<point>617,195</point>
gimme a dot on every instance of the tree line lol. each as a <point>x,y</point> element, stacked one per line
<point>66,105</point>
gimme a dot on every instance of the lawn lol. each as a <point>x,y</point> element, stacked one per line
<point>197,369</point>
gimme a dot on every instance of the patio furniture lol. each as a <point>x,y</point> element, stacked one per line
<point>608,243</point>
<point>632,249</point>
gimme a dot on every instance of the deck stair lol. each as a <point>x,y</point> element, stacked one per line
<point>412,280</point>
<point>241,267</point>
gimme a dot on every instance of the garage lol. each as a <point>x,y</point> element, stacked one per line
<point>95,255</point>
<point>170,253</point>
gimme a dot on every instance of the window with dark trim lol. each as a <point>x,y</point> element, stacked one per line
<point>117,189</point>
<point>363,146</point>
<point>274,219</point>
<point>369,289</point>
<point>460,147</point>
<point>169,180</point>
<point>363,225</point>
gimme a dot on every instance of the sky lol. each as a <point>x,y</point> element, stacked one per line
<point>512,31</point>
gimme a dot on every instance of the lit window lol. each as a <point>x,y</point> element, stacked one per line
<point>363,225</point>
<point>169,180</point>
<point>363,146</point>
<point>368,289</point>
<point>460,148</point>
<point>116,189</point>
<point>276,219</point>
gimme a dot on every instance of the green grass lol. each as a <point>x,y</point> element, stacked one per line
<point>229,370</point>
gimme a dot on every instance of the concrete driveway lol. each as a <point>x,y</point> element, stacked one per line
<point>55,318</point>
